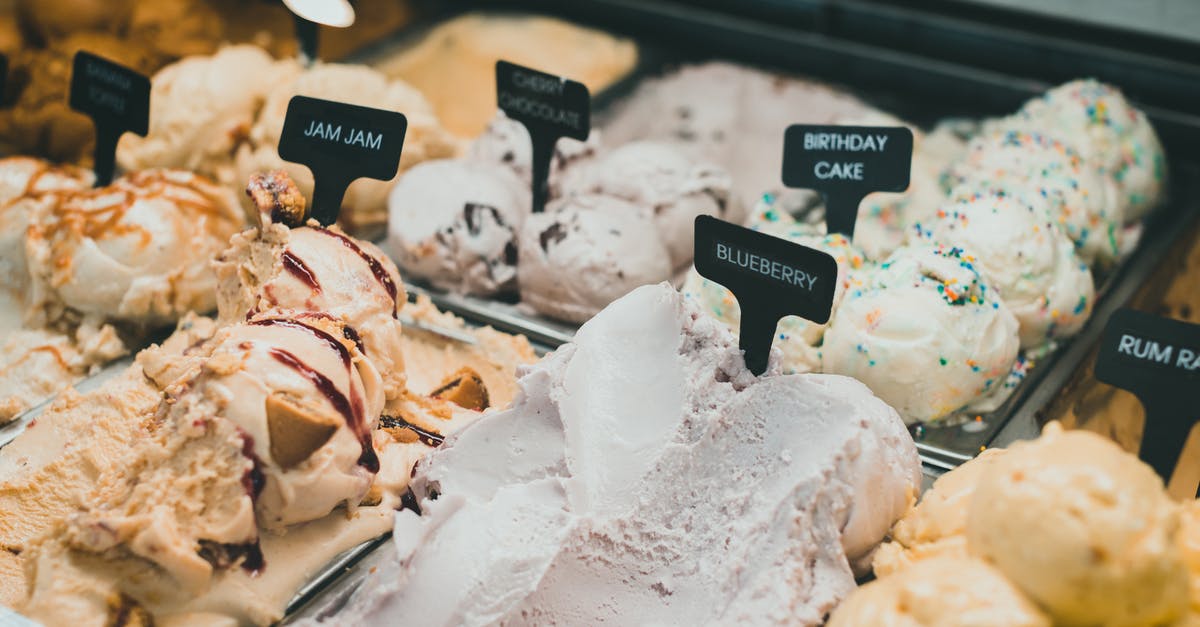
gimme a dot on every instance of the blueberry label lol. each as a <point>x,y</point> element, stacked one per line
<point>844,164</point>
<point>548,106</point>
<point>118,101</point>
<point>1158,360</point>
<point>340,143</point>
<point>770,277</point>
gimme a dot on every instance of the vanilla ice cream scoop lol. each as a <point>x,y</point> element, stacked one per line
<point>136,251</point>
<point>1109,131</point>
<point>365,203</point>
<point>1024,256</point>
<point>1049,172</point>
<point>644,474</point>
<point>317,269</point>
<point>1083,528</point>
<point>796,337</point>
<point>941,592</point>
<point>586,251</point>
<point>926,332</point>
<point>202,108</point>
<point>454,223</point>
<point>660,177</point>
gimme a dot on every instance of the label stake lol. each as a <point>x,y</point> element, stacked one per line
<point>340,143</point>
<point>844,164</point>
<point>550,107</point>
<point>118,101</point>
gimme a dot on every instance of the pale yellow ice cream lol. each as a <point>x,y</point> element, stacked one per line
<point>365,203</point>
<point>455,64</point>
<point>940,592</point>
<point>937,526</point>
<point>1083,528</point>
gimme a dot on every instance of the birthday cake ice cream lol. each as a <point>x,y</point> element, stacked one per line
<point>644,472</point>
<point>925,331</point>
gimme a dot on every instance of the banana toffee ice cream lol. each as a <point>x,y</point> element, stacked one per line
<point>222,116</point>
<point>239,458</point>
<point>644,472</point>
<point>1067,529</point>
<point>83,269</point>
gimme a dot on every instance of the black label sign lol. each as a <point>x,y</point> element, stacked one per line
<point>340,143</point>
<point>550,107</point>
<point>771,278</point>
<point>1158,359</point>
<point>844,164</point>
<point>118,101</point>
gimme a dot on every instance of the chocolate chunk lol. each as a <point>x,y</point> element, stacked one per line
<point>554,233</point>
<point>296,432</point>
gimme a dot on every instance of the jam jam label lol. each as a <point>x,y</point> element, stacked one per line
<point>550,107</point>
<point>1158,360</point>
<point>844,164</point>
<point>770,277</point>
<point>118,101</point>
<point>340,142</point>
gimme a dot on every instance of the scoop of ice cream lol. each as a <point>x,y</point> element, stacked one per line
<point>926,332</point>
<point>937,526</point>
<point>29,176</point>
<point>202,108</point>
<point>1022,254</point>
<point>1048,172</point>
<point>660,177</point>
<point>586,251</point>
<point>311,443</point>
<point>454,65</point>
<point>1109,131</point>
<point>796,337</point>
<point>644,472</point>
<point>365,203</point>
<point>1189,548</point>
<point>315,269</point>
<point>942,592</point>
<point>1083,528</point>
<point>454,223</point>
<point>137,250</point>
<point>731,115</point>
<point>507,143</point>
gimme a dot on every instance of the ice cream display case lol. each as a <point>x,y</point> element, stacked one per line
<point>706,71</point>
<point>475,400</point>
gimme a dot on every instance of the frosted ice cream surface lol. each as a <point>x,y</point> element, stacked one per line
<point>644,472</point>
<point>925,331</point>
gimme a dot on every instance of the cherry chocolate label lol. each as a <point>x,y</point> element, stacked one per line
<point>844,164</point>
<point>118,101</point>
<point>770,277</point>
<point>548,106</point>
<point>1158,360</point>
<point>340,142</point>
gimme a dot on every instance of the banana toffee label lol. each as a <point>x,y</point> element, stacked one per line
<point>1158,360</point>
<point>845,163</point>
<point>548,106</point>
<point>118,101</point>
<point>340,142</point>
<point>770,277</point>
